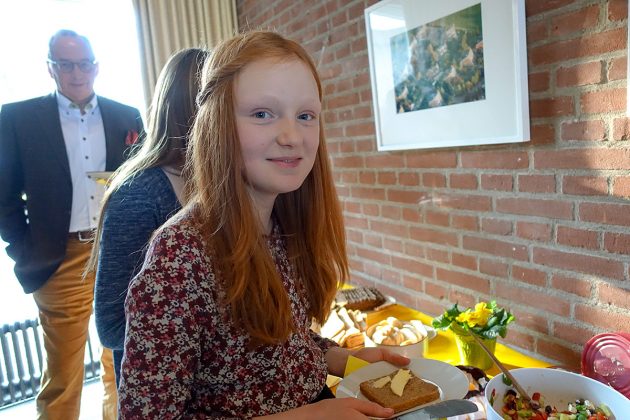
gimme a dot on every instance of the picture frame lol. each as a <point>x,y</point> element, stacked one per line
<point>448,73</point>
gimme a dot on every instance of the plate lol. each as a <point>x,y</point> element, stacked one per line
<point>453,382</point>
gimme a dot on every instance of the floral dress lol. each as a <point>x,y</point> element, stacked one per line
<point>185,358</point>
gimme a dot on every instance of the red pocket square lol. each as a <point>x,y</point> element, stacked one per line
<point>132,137</point>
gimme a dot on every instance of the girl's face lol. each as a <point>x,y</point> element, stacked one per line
<point>277,110</point>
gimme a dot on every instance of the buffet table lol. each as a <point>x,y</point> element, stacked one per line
<point>443,346</point>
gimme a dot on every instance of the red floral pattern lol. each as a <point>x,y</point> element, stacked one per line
<point>184,358</point>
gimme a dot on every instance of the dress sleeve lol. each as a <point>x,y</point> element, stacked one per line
<point>165,313</point>
<point>130,218</point>
<point>322,343</point>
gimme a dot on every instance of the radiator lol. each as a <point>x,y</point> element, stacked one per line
<point>21,360</point>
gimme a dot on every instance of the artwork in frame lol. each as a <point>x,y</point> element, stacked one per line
<point>448,73</point>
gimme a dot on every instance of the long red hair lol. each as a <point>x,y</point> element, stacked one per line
<point>310,217</point>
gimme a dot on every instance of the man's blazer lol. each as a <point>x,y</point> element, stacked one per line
<point>35,182</point>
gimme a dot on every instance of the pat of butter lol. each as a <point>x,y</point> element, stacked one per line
<point>379,383</point>
<point>399,381</point>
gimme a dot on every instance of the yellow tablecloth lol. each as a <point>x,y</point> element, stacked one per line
<point>443,346</point>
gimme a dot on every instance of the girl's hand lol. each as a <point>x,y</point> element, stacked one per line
<point>377,354</point>
<point>337,408</point>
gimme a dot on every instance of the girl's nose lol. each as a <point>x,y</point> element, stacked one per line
<point>289,133</point>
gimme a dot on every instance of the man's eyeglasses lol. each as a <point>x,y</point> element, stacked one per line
<point>65,66</point>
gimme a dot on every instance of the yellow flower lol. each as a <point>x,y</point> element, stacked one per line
<point>479,316</point>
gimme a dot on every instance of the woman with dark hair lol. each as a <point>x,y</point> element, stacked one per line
<point>143,193</point>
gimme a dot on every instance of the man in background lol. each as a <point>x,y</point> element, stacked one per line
<point>49,209</point>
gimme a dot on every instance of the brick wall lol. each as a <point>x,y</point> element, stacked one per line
<point>542,226</point>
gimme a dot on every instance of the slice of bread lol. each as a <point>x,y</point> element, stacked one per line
<point>416,392</point>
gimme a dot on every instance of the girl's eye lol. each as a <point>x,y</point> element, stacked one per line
<point>306,117</point>
<point>261,114</point>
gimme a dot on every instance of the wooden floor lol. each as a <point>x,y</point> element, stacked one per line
<point>91,398</point>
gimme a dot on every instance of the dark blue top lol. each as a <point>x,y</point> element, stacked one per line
<point>133,212</point>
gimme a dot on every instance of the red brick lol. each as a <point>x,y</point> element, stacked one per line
<point>571,285</point>
<point>368,193</point>
<point>613,295</point>
<point>464,300</point>
<point>494,160</point>
<point>355,222</point>
<point>602,317</point>
<point>412,265</point>
<point>593,159</point>
<point>463,181</point>
<point>387,178</point>
<point>342,101</point>
<point>493,267</point>
<point>465,222</point>
<point>538,82</point>
<point>592,130</point>
<point>412,283</point>
<point>411,215</point>
<point>404,196</point>
<point>581,263</point>
<point>495,247</point>
<point>610,214</point>
<point>496,226</point>
<point>438,255</point>
<point>579,238</point>
<point>618,69</point>
<point>464,280</point>
<point>393,245</point>
<point>374,256</point>
<point>621,186</point>
<point>530,321</point>
<point>497,182</point>
<point>578,20</point>
<point>603,101</point>
<point>390,229</point>
<point>536,298</point>
<point>541,134</point>
<point>617,10</point>
<point>537,183</point>
<point>432,236</point>
<point>534,7</point>
<point>621,129</point>
<point>464,261</point>
<point>535,207</point>
<point>348,162</point>
<point>529,275</point>
<point>435,290</point>
<point>570,357</point>
<point>409,179</point>
<point>534,231</point>
<point>432,160</point>
<point>375,241</point>
<point>463,202</point>
<point>551,107</point>
<point>572,333</point>
<point>437,218</point>
<point>385,160</point>
<point>537,31</point>
<point>618,243</point>
<point>391,212</point>
<point>585,185</point>
<point>434,180</point>
<point>520,340</point>
<point>585,46</point>
<point>367,177</point>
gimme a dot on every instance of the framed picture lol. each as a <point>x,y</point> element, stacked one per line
<point>448,73</point>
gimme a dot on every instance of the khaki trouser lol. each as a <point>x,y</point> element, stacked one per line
<point>65,306</point>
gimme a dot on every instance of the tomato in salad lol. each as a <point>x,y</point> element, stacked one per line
<point>517,408</point>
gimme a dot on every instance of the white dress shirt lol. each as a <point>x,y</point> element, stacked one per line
<point>84,137</point>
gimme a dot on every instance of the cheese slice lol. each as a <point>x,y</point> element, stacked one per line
<point>380,383</point>
<point>399,381</point>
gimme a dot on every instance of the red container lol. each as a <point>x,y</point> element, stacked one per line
<point>606,358</point>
